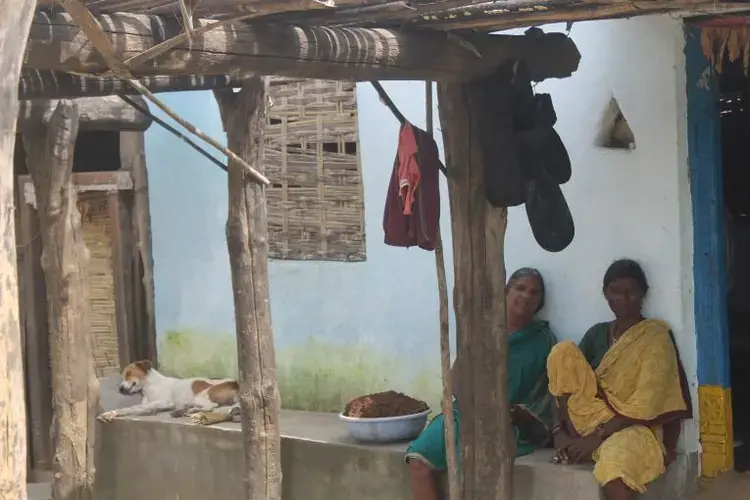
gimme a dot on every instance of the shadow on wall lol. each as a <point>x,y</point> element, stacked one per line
<point>313,376</point>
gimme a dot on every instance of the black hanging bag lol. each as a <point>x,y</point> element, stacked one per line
<point>542,152</point>
<point>504,180</point>
<point>549,215</point>
<point>544,111</point>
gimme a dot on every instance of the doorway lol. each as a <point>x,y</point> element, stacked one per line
<point>734,119</point>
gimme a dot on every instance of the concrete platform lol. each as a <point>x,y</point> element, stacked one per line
<point>165,458</point>
<point>39,491</point>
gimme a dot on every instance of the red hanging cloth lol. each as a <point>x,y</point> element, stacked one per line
<point>412,204</point>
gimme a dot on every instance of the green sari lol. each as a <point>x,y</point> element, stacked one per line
<point>527,387</point>
<point>595,344</point>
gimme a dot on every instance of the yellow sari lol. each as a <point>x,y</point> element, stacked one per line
<point>639,379</point>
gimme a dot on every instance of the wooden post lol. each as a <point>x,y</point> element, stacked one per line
<point>15,19</point>
<point>75,389</point>
<point>34,321</point>
<point>121,244</point>
<point>143,319</point>
<point>487,450</point>
<point>243,115</point>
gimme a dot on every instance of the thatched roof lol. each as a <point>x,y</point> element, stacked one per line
<point>480,15</point>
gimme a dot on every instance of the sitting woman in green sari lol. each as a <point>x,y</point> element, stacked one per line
<point>622,394</point>
<point>529,345</point>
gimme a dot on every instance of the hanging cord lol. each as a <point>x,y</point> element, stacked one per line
<point>388,102</point>
<point>445,349</point>
<point>174,131</point>
<point>385,99</point>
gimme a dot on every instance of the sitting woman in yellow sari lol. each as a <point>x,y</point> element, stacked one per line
<point>622,395</point>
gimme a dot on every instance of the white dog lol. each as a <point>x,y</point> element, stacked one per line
<point>180,396</point>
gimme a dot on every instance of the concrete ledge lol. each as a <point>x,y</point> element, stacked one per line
<point>165,458</point>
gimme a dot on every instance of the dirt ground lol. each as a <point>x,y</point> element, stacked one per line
<point>731,486</point>
<point>384,404</point>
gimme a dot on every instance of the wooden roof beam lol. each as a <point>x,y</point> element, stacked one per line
<point>36,84</point>
<point>57,43</point>
<point>94,113</point>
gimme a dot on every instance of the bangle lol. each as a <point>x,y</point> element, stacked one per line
<point>556,428</point>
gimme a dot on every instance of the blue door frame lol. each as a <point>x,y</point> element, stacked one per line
<point>709,266</point>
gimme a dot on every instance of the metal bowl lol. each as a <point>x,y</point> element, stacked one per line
<point>386,429</point>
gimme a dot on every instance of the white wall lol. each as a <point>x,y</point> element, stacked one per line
<point>633,204</point>
<point>625,203</point>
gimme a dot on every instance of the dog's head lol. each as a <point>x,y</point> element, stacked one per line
<point>134,376</point>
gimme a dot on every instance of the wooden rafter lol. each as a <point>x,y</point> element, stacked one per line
<point>36,84</point>
<point>174,41</point>
<point>94,113</point>
<point>191,33</point>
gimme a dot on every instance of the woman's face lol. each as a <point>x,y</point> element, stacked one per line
<point>624,297</point>
<point>523,297</point>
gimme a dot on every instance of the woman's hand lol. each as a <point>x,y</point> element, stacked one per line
<point>519,416</point>
<point>561,440</point>
<point>580,449</point>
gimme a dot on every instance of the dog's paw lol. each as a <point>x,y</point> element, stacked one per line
<point>197,418</point>
<point>107,416</point>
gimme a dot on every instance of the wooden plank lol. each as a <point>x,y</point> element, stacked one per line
<point>34,326</point>
<point>83,182</point>
<point>247,241</point>
<point>15,19</point>
<point>57,43</point>
<point>133,161</point>
<point>121,265</point>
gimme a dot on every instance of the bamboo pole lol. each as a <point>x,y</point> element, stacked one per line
<point>187,18</point>
<point>254,174</point>
<point>90,26</point>
<point>445,348</point>
<point>144,110</point>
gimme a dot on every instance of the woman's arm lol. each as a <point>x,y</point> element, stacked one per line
<point>582,448</point>
<point>615,425</point>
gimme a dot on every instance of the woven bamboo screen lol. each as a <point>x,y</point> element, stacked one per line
<point>311,156</point>
<point>96,226</point>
